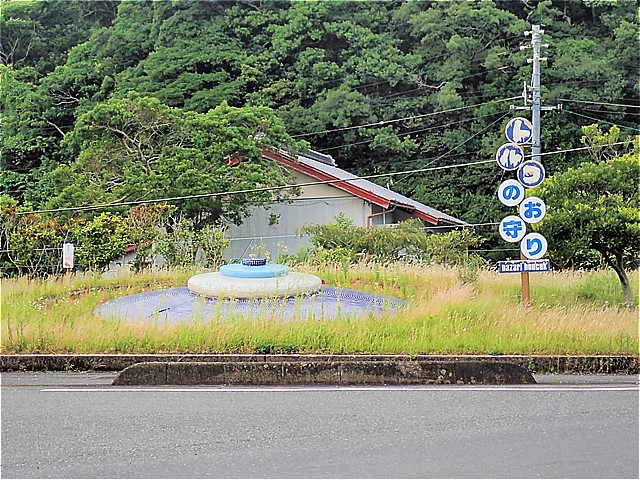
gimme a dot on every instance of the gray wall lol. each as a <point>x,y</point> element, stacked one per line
<point>257,236</point>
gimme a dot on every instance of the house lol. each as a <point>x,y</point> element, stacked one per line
<point>326,191</point>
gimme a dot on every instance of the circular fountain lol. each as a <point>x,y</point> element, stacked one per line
<point>254,278</point>
<point>252,289</point>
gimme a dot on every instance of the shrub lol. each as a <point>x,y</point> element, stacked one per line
<point>343,241</point>
<point>32,243</point>
<point>101,240</point>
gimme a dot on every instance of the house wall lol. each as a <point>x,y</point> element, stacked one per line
<point>273,229</point>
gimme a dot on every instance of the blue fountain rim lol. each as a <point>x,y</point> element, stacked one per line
<point>269,270</point>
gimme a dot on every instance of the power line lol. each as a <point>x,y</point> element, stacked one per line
<point>386,122</point>
<point>599,103</point>
<point>602,121</point>
<point>610,112</point>
<point>425,129</point>
<point>460,144</point>
<point>284,187</point>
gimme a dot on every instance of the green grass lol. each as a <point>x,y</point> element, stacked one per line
<point>573,313</point>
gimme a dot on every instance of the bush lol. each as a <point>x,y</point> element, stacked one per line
<point>100,241</point>
<point>343,241</point>
<point>31,243</point>
<point>181,244</point>
<point>144,223</point>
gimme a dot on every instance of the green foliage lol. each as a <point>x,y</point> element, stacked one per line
<point>100,241</point>
<point>144,222</point>
<point>576,314</point>
<point>177,245</point>
<point>595,207</point>
<point>69,67</point>
<point>134,148</point>
<point>343,242</point>
<point>183,246</point>
<point>213,242</point>
<point>31,244</point>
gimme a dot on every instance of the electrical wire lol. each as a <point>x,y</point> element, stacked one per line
<point>610,112</point>
<point>425,129</point>
<point>459,145</point>
<point>285,187</point>
<point>601,121</point>
<point>599,103</point>
<point>386,122</point>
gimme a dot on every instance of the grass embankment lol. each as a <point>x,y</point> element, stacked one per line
<point>572,313</point>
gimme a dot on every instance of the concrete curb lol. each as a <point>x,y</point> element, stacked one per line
<point>600,364</point>
<point>325,373</point>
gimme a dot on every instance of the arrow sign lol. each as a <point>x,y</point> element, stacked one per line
<point>519,130</point>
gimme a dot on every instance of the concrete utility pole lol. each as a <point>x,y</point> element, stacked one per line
<point>535,100</point>
<point>521,132</point>
<point>536,40</point>
<point>536,107</point>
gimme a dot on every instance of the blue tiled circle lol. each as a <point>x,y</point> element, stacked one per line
<point>178,305</point>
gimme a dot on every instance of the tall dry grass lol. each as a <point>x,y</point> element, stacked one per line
<point>571,313</point>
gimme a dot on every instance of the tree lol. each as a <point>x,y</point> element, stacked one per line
<point>31,244</point>
<point>326,69</point>
<point>595,207</point>
<point>138,149</point>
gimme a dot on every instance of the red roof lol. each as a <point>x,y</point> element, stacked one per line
<point>360,188</point>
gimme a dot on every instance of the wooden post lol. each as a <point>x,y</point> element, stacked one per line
<point>524,277</point>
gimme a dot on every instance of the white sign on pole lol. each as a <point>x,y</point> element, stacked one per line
<point>512,228</point>
<point>519,130</point>
<point>511,193</point>
<point>67,255</point>
<point>533,246</point>
<point>531,174</point>
<point>532,210</point>
<point>510,156</point>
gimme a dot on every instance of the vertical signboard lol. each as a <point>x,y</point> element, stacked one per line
<point>512,193</point>
<point>67,255</point>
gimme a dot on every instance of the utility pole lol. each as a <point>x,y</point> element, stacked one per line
<point>535,105</point>
<point>536,40</point>
<point>535,100</point>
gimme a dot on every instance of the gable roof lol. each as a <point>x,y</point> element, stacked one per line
<point>324,168</point>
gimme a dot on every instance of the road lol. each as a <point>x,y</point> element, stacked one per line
<point>75,425</point>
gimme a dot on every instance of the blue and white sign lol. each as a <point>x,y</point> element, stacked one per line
<point>533,246</point>
<point>519,130</point>
<point>531,174</point>
<point>532,210</point>
<point>511,193</point>
<point>510,156</point>
<point>524,266</point>
<point>512,228</point>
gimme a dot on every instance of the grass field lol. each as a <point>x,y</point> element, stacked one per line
<point>576,313</point>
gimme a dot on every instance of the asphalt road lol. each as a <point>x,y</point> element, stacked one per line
<point>78,426</point>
